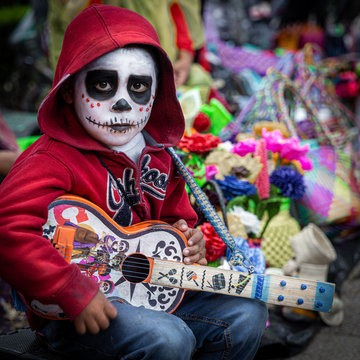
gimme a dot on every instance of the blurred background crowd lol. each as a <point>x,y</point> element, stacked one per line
<point>26,64</point>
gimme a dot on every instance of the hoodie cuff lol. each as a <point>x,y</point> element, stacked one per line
<point>76,295</point>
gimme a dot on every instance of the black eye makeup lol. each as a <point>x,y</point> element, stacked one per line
<point>139,88</point>
<point>101,84</point>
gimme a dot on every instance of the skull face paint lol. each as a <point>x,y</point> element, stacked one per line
<point>114,95</point>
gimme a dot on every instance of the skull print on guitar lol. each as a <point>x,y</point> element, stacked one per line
<point>114,96</point>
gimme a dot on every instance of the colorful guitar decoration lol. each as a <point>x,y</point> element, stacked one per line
<point>142,264</point>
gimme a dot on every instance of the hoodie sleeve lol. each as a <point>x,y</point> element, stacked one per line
<point>186,15</point>
<point>183,37</point>
<point>29,263</point>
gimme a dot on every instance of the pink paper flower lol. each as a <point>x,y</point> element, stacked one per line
<point>244,147</point>
<point>292,150</point>
<point>210,171</point>
<point>288,149</point>
<point>274,140</point>
<point>305,163</point>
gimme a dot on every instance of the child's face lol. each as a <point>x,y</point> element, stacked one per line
<point>114,95</point>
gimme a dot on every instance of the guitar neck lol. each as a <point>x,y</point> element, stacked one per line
<point>271,289</point>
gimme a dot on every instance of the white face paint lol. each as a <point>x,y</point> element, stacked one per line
<point>114,95</point>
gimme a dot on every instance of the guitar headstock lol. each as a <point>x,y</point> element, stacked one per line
<point>294,292</point>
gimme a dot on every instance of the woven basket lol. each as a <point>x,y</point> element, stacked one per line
<point>276,245</point>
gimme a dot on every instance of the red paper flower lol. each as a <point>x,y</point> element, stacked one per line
<point>215,247</point>
<point>202,122</point>
<point>199,143</point>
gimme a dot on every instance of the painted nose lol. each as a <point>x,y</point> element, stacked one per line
<point>121,105</point>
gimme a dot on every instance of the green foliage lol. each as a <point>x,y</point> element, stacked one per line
<point>12,14</point>
<point>268,208</point>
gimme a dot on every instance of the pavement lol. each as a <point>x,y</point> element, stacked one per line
<point>341,342</point>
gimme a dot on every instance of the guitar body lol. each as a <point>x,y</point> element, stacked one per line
<point>101,257</point>
<point>142,264</point>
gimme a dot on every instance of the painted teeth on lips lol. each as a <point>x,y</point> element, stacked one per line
<point>120,127</point>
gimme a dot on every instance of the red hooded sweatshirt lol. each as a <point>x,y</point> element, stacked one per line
<point>64,160</point>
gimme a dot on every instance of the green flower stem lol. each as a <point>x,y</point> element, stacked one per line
<point>273,207</point>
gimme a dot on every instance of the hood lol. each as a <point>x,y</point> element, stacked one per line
<point>96,31</point>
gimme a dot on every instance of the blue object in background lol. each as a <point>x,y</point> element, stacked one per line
<point>255,255</point>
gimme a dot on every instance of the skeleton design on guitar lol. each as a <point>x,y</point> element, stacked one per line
<point>142,264</point>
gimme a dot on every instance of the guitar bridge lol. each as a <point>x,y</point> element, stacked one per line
<point>63,240</point>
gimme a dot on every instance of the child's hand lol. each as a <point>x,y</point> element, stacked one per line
<point>96,316</point>
<point>195,252</point>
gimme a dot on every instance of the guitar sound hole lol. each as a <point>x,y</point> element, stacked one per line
<point>135,268</point>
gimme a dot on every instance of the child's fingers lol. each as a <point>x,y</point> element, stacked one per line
<point>102,321</point>
<point>191,250</point>
<point>80,326</point>
<point>96,316</point>
<point>181,225</point>
<point>92,325</point>
<point>193,254</point>
<point>194,259</point>
<point>102,318</point>
<point>110,310</point>
<point>196,238</point>
<point>202,261</point>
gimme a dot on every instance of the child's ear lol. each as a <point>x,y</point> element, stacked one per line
<point>67,91</point>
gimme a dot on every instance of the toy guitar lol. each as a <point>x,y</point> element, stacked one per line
<point>142,264</point>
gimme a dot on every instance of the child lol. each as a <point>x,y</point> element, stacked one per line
<point>111,111</point>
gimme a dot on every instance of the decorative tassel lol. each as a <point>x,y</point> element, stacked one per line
<point>262,182</point>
